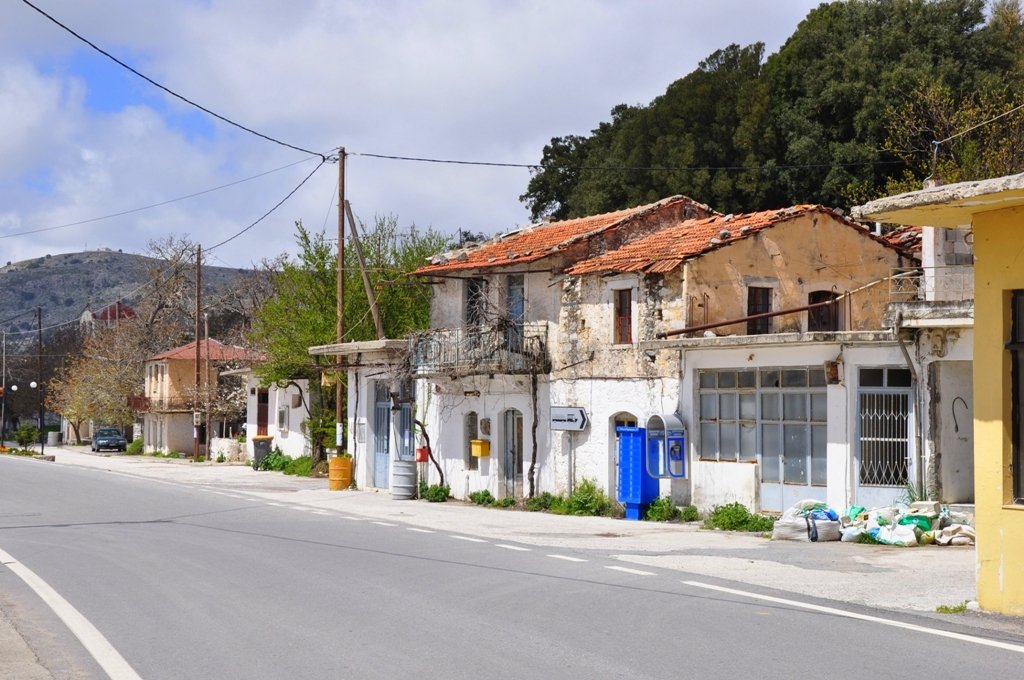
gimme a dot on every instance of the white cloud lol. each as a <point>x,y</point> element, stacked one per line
<point>486,80</point>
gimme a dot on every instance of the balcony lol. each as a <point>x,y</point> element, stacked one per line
<point>142,404</point>
<point>931,297</point>
<point>506,348</point>
<point>933,284</point>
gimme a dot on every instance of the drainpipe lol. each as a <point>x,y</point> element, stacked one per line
<point>918,462</point>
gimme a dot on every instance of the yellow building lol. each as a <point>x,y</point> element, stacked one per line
<point>994,211</point>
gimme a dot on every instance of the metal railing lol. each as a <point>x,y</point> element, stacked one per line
<point>500,348</point>
<point>162,405</point>
<point>949,283</point>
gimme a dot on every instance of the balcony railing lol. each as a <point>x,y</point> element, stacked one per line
<point>933,284</point>
<point>155,405</point>
<point>502,348</point>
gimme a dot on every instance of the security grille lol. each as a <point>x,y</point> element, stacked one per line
<point>885,445</point>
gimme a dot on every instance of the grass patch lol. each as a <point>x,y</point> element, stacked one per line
<point>662,510</point>
<point>586,500</point>
<point>736,517</point>
<point>952,608</point>
<point>689,514</point>
<point>506,502</point>
<point>135,448</point>
<point>540,502</point>
<point>484,497</point>
<point>299,467</point>
<point>436,493</point>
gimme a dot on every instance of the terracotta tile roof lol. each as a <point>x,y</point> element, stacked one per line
<point>217,352</point>
<point>668,248</point>
<point>906,239</point>
<point>117,310</point>
<point>541,240</point>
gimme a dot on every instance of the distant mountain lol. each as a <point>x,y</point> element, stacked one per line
<point>64,285</point>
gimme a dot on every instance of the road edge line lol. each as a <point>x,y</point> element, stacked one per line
<point>109,659</point>
<point>963,637</point>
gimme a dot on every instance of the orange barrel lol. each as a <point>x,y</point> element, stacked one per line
<point>339,473</point>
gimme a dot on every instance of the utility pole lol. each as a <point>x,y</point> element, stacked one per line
<point>195,405</point>
<point>39,372</point>
<point>3,394</point>
<point>339,412</point>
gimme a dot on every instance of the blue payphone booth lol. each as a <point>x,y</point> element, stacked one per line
<point>666,447</point>
<point>636,488</point>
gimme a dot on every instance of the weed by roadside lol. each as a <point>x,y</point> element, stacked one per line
<point>435,493</point>
<point>952,608</point>
<point>662,510</point>
<point>736,517</point>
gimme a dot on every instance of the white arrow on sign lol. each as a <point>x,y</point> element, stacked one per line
<point>569,418</point>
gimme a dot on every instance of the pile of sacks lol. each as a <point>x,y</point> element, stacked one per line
<point>920,523</point>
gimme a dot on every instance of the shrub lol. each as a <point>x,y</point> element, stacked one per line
<point>661,510</point>
<point>541,502</point>
<point>482,497</point>
<point>587,499</point>
<point>173,454</point>
<point>689,514</point>
<point>136,447</point>
<point>221,458</point>
<point>437,493</point>
<point>26,435</point>
<point>506,502</point>
<point>275,461</point>
<point>300,467</point>
<point>736,517</point>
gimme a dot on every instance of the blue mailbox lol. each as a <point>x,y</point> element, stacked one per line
<point>635,488</point>
<point>666,447</point>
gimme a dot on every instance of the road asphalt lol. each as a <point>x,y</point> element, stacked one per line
<point>907,580</point>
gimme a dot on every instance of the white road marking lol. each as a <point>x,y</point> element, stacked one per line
<point>320,512</point>
<point>469,538</point>
<point>106,656</point>
<point>636,572</point>
<point>421,531</point>
<point>862,617</point>
<point>506,546</point>
<point>353,519</point>
<point>385,524</point>
<point>276,505</point>
<point>567,558</point>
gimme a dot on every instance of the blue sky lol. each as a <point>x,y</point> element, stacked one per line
<point>487,80</point>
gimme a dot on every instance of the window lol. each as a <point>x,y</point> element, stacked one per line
<point>759,301</point>
<point>884,429</point>
<point>515,294</point>
<point>471,432</point>
<point>475,302</point>
<point>1016,348</point>
<point>823,319</point>
<point>777,415</point>
<point>623,317</point>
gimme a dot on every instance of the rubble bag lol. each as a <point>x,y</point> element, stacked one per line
<point>920,520</point>
<point>796,529</point>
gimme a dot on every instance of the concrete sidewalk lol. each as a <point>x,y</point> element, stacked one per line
<point>908,579</point>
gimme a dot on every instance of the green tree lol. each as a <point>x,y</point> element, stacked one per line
<point>818,121</point>
<point>301,312</point>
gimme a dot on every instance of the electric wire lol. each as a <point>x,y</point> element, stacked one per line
<point>268,213</point>
<point>624,168</point>
<point>153,205</point>
<point>168,90</point>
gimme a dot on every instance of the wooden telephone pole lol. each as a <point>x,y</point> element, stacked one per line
<point>195,405</point>
<point>339,412</point>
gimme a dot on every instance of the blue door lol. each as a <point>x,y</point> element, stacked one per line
<point>381,436</point>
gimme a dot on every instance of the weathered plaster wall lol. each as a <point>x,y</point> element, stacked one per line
<point>289,439</point>
<point>810,253</point>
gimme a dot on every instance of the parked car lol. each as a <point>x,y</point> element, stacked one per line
<point>109,438</point>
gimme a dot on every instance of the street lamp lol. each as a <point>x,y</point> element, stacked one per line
<point>42,435</point>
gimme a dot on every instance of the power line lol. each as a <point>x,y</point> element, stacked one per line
<point>153,205</point>
<point>168,90</point>
<point>655,168</point>
<point>267,214</point>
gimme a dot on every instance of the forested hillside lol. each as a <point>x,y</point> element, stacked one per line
<point>847,110</point>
